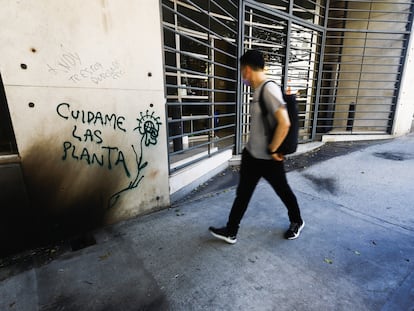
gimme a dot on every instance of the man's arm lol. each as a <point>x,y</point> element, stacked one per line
<point>281,131</point>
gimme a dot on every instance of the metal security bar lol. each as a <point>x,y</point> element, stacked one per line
<point>364,54</point>
<point>304,55</point>
<point>200,56</point>
<point>343,60</point>
<point>291,48</point>
<point>313,11</point>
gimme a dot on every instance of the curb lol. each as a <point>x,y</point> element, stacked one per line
<point>302,148</point>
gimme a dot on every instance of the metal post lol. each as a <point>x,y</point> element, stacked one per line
<point>239,82</point>
<point>320,71</point>
<point>285,70</point>
<point>177,127</point>
<point>212,106</point>
<point>210,69</point>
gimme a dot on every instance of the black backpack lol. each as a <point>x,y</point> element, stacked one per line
<point>290,144</point>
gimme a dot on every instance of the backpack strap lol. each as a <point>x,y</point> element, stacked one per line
<point>264,109</point>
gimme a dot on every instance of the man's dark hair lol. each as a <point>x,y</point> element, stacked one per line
<point>253,58</point>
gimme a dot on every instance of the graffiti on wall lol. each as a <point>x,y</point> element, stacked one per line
<point>105,155</point>
<point>88,146</point>
<point>148,129</point>
<point>77,70</point>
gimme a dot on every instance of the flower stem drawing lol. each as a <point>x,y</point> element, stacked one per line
<point>148,128</point>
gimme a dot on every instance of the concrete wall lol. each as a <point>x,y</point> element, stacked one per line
<point>84,83</point>
<point>405,108</point>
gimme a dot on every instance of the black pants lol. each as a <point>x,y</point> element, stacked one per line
<point>251,171</point>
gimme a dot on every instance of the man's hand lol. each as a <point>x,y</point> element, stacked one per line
<point>278,157</point>
<point>272,147</point>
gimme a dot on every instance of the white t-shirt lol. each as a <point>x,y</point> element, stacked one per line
<point>258,144</point>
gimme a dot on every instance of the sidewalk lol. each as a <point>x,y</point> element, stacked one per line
<point>355,253</point>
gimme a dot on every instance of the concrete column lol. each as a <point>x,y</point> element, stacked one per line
<point>84,85</point>
<point>405,106</point>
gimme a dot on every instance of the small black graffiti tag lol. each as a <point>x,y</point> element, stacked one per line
<point>65,63</point>
<point>71,65</point>
<point>148,128</point>
<point>97,73</point>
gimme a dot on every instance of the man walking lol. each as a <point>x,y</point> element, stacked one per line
<point>259,158</point>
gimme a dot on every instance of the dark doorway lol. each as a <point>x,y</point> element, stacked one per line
<point>7,139</point>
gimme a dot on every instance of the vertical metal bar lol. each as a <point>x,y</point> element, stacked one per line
<point>245,107</point>
<point>212,86</point>
<point>239,139</point>
<point>209,71</point>
<point>167,130</point>
<point>354,105</point>
<point>320,69</point>
<point>177,127</point>
<point>285,72</point>
<point>168,133</point>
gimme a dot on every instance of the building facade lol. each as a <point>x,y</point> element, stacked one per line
<point>348,62</point>
<point>111,109</point>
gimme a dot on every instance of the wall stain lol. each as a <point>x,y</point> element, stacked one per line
<point>64,200</point>
<point>153,174</point>
<point>326,184</point>
<point>71,198</point>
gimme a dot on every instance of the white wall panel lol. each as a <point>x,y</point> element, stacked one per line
<point>97,58</point>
